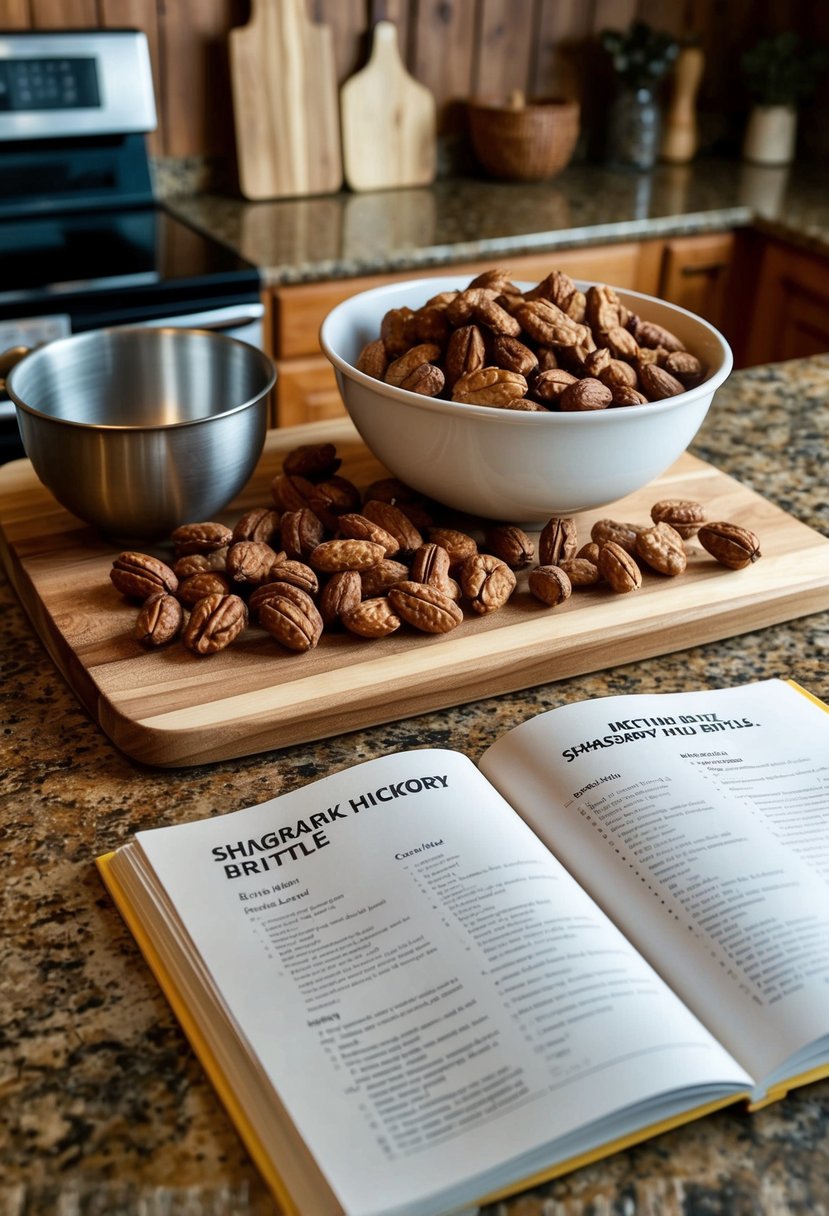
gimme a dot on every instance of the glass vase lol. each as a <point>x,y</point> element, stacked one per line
<point>633,130</point>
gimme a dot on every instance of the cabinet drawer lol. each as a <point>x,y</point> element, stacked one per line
<point>306,391</point>
<point>695,274</point>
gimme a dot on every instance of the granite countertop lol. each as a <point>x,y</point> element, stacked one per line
<point>469,219</point>
<point>103,1108</point>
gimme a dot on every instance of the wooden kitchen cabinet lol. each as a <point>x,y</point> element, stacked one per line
<point>790,315</point>
<point>306,391</point>
<point>696,274</point>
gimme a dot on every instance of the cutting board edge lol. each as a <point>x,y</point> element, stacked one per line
<point>168,749</point>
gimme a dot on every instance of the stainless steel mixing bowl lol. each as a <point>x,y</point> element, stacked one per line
<point>137,430</point>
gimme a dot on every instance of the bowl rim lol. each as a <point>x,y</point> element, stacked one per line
<point>492,414</point>
<point>89,337</point>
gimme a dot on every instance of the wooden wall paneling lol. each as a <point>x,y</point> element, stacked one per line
<point>15,15</point>
<point>64,14</point>
<point>400,12</point>
<point>442,55</point>
<point>456,48</point>
<point>559,65</point>
<point>141,15</point>
<point>667,15</point>
<point>503,48</point>
<point>726,30</point>
<point>195,76</point>
<point>570,63</point>
<point>612,14</point>
<point>349,22</point>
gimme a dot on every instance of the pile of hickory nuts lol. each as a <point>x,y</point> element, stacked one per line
<point>552,347</point>
<point>324,555</point>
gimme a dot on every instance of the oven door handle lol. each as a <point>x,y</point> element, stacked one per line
<point>217,319</point>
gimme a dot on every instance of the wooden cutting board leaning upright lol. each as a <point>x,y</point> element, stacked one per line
<point>285,103</point>
<point>388,121</point>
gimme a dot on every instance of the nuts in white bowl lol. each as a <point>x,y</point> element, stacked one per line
<point>522,445</point>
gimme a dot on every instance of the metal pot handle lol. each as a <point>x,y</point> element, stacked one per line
<point>8,359</point>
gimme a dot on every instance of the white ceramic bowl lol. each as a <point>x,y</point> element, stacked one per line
<point>513,465</point>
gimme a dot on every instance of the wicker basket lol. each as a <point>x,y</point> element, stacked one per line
<point>521,141</point>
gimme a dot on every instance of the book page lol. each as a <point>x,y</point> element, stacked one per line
<point>700,821</point>
<point>429,991</point>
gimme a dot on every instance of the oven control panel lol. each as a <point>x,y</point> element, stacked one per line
<point>74,83</point>
<point>48,84</point>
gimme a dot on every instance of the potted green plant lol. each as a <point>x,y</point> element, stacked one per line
<point>641,57</point>
<point>780,73</point>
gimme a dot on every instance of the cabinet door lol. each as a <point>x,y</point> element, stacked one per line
<point>791,320</point>
<point>695,274</point>
<point>306,391</point>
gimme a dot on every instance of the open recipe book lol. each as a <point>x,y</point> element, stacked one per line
<point>418,984</point>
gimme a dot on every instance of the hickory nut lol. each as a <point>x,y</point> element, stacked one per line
<point>291,617</point>
<point>459,545</point>
<point>557,540</point>
<point>465,353</point>
<point>586,394</point>
<point>205,582</point>
<point>511,544</point>
<point>373,359</point>
<point>684,515</point>
<point>550,585</point>
<point>353,526</point>
<point>657,384</point>
<point>618,568</point>
<point>487,582</point>
<point>340,595</point>
<point>260,524</point>
<point>430,564</point>
<point>333,555</point>
<point>159,620</point>
<point>393,519</point>
<point>377,579</point>
<point>582,571</point>
<point>250,561</point>
<point>622,534</point>
<point>402,367</point>
<point>425,608</point>
<point>662,548</point>
<point>200,538</point>
<point>373,618</point>
<point>214,623</point>
<point>313,461</point>
<point>301,531</point>
<point>730,544</point>
<point>489,386</point>
<point>140,575</point>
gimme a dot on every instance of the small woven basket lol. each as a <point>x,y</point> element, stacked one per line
<point>524,141</point>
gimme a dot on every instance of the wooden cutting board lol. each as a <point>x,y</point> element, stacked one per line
<point>285,104</point>
<point>172,708</point>
<point>388,121</point>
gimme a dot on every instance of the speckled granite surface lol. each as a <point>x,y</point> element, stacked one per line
<point>103,1108</point>
<point>346,234</point>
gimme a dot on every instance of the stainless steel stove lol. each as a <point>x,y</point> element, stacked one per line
<point>84,244</point>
